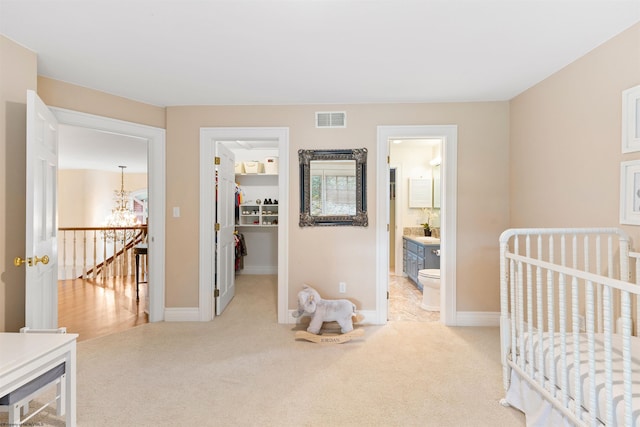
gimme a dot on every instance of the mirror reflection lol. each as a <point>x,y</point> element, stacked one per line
<point>333,187</point>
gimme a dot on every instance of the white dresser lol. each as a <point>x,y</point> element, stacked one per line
<point>24,357</point>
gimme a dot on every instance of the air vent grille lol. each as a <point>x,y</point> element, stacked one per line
<point>331,119</point>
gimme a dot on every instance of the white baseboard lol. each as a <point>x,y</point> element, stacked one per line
<point>181,314</point>
<point>463,318</point>
<point>369,317</point>
<point>477,318</point>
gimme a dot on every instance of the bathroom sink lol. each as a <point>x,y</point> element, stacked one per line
<point>426,239</point>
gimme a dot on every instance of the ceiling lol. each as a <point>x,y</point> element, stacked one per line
<point>269,52</point>
<point>258,52</point>
<point>81,148</point>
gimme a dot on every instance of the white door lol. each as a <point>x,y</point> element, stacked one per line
<point>41,257</point>
<point>225,239</point>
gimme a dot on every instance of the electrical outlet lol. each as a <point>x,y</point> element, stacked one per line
<point>343,287</point>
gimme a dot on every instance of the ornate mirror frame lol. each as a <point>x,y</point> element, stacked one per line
<point>360,219</point>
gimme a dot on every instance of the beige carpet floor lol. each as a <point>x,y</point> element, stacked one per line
<point>245,369</point>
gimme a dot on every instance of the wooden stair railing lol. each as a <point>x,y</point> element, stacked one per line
<point>116,257</point>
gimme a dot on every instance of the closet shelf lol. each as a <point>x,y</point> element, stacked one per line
<point>255,215</point>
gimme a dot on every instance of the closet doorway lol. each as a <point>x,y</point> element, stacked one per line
<point>260,224</point>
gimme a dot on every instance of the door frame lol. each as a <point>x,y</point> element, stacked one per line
<point>448,225</point>
<point>156,153</point>
<point>208,138</point>
<point>399,224</point>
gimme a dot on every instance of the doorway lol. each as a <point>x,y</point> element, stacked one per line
<point>208,139</point>
<point>412,160</point>
<point>448,227</point>
<point>97,292</point>
<point>155,138</point>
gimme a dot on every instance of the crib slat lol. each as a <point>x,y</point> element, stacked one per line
<point>530,349</point>
<point>540,308</point>
<point>608,377</point>
<point>512,291</point>
<point>598,286</point>
<point>562,324</point>
<point>551,327</point>
<point>576,329</point>
<point>626,356</point>
<point>520,305</point>
<point>591,348</point>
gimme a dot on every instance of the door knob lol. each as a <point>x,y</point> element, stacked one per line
<point>44,260</point>
<point>18,261</point>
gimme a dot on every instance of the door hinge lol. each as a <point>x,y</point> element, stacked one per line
<point>216,293</point>
<point>387,294</point>
<point>388,159</point>
<point>217,160</point>
<point>217,226</point>
<point>387,228</point>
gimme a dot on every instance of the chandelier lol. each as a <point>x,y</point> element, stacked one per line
<point>121,216</point>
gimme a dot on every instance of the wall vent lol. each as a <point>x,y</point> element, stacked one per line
<point>331,119</point>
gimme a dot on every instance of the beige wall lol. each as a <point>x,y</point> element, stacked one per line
<point>55,93</point>
<point>86,197</point>
<point>326,256</point>
<point>17,74</point>
<point>338,254</point>
<point>566,140</point>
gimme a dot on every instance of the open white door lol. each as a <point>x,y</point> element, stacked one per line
<point>41,257</point>
<point>225,226</point>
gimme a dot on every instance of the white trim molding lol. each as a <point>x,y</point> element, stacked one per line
<point>181,314</point>
<point>369,317</point>
<point>478,318</point>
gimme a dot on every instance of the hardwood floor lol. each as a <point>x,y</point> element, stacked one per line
<point>96,308</point>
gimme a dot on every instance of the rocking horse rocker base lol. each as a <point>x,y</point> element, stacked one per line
<point>330,333</point>
<point>329,338</point>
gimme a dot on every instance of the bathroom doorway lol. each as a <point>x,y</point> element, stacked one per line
<point>448,224</point>
<point>410,158</point>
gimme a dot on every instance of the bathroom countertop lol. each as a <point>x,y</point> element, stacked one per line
<point>425,240</point>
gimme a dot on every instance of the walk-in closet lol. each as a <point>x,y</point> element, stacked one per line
<point>256,206</point>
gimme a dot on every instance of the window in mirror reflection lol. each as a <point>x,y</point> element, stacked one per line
<point>333,187</point>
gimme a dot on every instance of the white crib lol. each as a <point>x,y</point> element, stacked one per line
<point>568,310</point>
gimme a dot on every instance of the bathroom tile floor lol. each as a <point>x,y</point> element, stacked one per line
<point>404,302</point>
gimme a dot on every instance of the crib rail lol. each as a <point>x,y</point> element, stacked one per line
<point>566,295</point>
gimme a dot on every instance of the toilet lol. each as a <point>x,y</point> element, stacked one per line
<point>430,281</point>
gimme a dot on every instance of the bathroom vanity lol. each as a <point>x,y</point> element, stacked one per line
<point>419,253</point>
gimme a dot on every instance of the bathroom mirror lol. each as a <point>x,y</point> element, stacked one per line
<point>333,187</point>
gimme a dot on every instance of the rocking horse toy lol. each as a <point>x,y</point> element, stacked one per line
<point>321,310</point>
